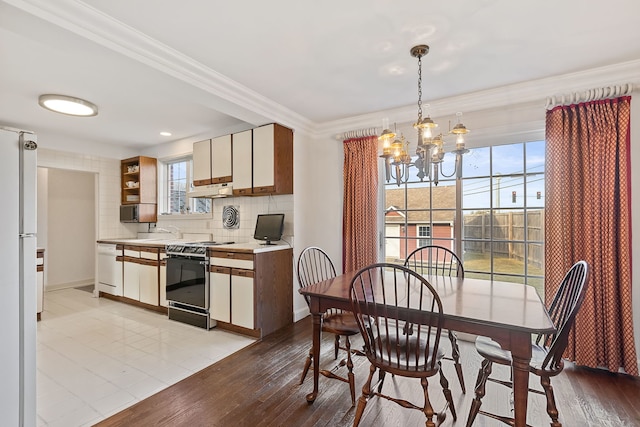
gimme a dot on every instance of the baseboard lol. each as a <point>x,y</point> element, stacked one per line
<point>68,285</point>
<point>301,314</point>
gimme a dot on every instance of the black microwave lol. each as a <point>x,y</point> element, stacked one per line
<point>129,213</point>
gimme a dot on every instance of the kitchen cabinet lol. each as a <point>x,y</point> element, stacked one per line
<point>251,293</point>
<point>138,177</point>
<point>241,163</point>
<point>202,162</point>
<point>263,161</point>
<point>212,161</point>
<point>221,159</point>
<point>141,274</point>
<point>39,282</point>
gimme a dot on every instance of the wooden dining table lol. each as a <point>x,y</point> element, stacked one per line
<point>508,313</point>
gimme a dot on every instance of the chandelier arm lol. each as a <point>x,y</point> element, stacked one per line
<point>455,168</point>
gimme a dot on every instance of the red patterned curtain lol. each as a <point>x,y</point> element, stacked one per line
<point>588,216</point>
<point>359,219</point>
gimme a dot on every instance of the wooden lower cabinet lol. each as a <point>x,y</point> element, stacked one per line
<point>251,293</point>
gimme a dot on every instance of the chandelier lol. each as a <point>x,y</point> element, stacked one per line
<point>430,150</point>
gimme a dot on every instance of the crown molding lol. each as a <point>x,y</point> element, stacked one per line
<point>535,91</point>
<point>88,22</point>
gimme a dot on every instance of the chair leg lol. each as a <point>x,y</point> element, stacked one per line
<point>381,376</point>
<point>352,380</point>
<point>455,354</point>
<point>307,364</point>
<point>444,383</point>
<point>336,347</point>
<point>552,410</point>
<point>428,409</point>
<point>366,393</point>
<point>483,375</point>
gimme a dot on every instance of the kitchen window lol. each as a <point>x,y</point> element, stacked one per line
<point>177,182</point>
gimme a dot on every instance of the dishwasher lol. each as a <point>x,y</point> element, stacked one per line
<point>109,269</point>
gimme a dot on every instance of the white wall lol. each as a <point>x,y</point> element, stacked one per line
<point>70,229</point>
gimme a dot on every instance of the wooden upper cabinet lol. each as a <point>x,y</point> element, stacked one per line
<point>202,162</point>
<point>139,177</point>
<point>241,164</point>
<point>263,164</point>
<point>221,159</point>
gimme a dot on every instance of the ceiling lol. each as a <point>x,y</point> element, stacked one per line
<point>205,68</point>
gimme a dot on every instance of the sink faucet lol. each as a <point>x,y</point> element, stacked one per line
<point>178,232</point>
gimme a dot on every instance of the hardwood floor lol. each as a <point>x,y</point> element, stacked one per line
<point>258,386</point>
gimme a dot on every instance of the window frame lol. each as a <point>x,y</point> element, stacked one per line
<point>163,190</point>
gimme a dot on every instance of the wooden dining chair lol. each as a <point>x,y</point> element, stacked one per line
<point>440,261</point>
<point>381,317</point>
<point>314,265</point>
<point>546,360</point>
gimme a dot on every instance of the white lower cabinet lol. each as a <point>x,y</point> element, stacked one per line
<point>220,294</point>
<point>242,298</point>
<point>131,279</point>
<point>141,275</point>
<point>148,282</point>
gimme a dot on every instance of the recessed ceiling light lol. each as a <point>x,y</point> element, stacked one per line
<point>165,133</point>
<point>68,105</point>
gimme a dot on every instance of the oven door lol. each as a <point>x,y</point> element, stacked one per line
<point>187,282</point>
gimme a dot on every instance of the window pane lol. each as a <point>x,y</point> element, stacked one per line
<point>477,162</point>
<point>476,193</point>
<point>508,159</point>
<point>508,192</point>
<point>508,257</point>
<point>535,190</point>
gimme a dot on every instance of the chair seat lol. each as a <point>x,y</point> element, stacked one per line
<point>491,350</point>
<point>340,324</point>
<point>402,351</point>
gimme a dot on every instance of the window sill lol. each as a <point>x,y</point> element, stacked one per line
<point>186,216</point>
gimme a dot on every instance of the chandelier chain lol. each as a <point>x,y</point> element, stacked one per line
<point>419,89</point>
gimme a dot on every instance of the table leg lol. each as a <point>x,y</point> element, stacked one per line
<point>521,357</point>
<point>317,332</point>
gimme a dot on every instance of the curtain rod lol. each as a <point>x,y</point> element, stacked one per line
<point>360,133</point>
<point>589,95</point>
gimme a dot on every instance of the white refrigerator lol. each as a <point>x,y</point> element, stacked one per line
<point>18,301</point>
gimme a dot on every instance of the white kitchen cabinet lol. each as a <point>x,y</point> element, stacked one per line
<point>131,279</point>
<point>250,293</point>
<point>141,274</point>
<point>202,162</point>
<point>263,165</point>
<point>148,282</point>
<point>242,301</point>
<point>220,293</point>
<point>221,159</point>
<point>242,163</point>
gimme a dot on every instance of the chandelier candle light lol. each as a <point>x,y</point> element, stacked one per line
<point>430,150</point>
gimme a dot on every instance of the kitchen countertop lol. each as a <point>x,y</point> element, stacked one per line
<point>253,247</point>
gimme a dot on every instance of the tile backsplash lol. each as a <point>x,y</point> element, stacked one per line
<point>248,208</point>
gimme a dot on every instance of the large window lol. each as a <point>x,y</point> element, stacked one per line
<point>178,180</point>
<point>497,224</point>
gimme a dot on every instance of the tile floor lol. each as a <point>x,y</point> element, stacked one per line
<point>96,357</point>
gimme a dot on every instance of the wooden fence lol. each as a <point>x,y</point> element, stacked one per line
<point>508,234</point>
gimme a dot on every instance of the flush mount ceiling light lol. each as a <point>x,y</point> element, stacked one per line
<point>68,105</point>
<point>165,133</point>
<point>430,150</point>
